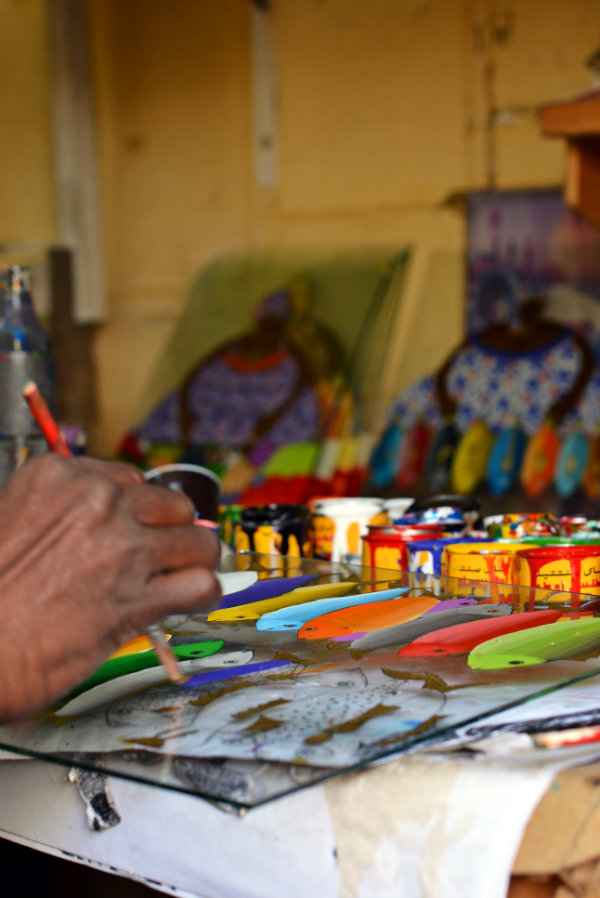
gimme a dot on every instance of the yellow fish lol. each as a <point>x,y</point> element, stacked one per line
<point>253,610</point>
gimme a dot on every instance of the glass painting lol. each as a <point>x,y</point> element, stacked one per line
<point>309,669</point>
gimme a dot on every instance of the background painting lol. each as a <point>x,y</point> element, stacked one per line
<point>527,242</point>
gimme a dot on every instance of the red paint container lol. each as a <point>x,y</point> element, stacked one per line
<point>385,547</point>
<point>574,568</point>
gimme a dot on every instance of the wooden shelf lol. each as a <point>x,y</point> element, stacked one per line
<point>578,121</point>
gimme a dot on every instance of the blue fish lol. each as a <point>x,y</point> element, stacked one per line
<point>295,616</point>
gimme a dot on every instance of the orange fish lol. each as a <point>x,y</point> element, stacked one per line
<point>367,617</point>
<point>139,644</point>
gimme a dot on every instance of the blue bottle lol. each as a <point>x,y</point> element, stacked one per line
<point>25,354</point>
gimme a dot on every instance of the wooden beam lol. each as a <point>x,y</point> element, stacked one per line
<point>76,170</point>
<point>577,118</point>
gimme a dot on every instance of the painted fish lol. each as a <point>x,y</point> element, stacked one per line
<point>436,619</point>
<point>451,604</point>
<point>263,589</point>
<point>461,639</point>
<point>552,642</point>
<point>126,664</point>
<point>293,618</point>
<point>254,610</point>
<point>139,644</point>
<point>366,617</point>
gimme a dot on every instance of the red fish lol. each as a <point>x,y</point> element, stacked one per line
<point>462,638</point>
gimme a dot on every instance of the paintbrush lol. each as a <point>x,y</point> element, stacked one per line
<point>57,443</point>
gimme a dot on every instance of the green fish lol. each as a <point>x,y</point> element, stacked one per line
<point>126,664</point>
<point>549,642</point>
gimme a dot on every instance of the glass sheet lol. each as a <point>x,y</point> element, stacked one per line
<point>267,711</point>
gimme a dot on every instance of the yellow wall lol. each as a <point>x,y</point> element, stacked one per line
<point>27,211</point>
<point>382,114</point>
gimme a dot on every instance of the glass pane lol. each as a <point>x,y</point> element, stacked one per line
<point>330,672</point>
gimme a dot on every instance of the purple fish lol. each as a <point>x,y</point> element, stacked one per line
<point>213,676</point>
<point>451,604</point>
<point>265,589</point>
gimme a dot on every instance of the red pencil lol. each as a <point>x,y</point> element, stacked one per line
<point>45,421</point>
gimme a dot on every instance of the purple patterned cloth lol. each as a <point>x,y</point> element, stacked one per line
<point>501,388</point>
<point>227,404</point>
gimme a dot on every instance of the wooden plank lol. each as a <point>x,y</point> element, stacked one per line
<point>73,349</point>
<point>77,182</point>
<point>582,180</point>
<point>576,118</point>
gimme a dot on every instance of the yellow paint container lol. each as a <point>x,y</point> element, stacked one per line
<point>489,562</point>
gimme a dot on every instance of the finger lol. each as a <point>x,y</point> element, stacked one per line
<point>180,547</point>
<point>194,589</point>
<point>158,506</point>
<point>119,472</point>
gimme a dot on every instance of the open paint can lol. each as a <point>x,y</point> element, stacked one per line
<point>385,547</point>
<point>425,556</point>
<point>566,568</point>
<point>199,484</point>
<point>340,524</point>
<point>275,530</point>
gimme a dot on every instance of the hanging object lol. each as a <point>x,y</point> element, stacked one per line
<point>572,463</point>
<point>505,459</point>
<point>438,462</point>
<point>471,458</point>
<point>591,477</point>
<point>411,458</point>
<point>384,460</point>
<point>539,460</point>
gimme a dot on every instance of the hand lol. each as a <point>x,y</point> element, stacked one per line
<point>90,555</point>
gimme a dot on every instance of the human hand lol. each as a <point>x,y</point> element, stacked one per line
<point>90,556</point>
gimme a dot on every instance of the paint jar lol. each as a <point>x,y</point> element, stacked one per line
<point>385,547</point>
<point>571,524</point>
<point>566,568</point>
<point>275,530</point>
<point>515,526</point>
<point>199,484</point>
<point>490,562</point>
<point>229,515</point>
<point>339,525</point>
<point>425,556</point>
